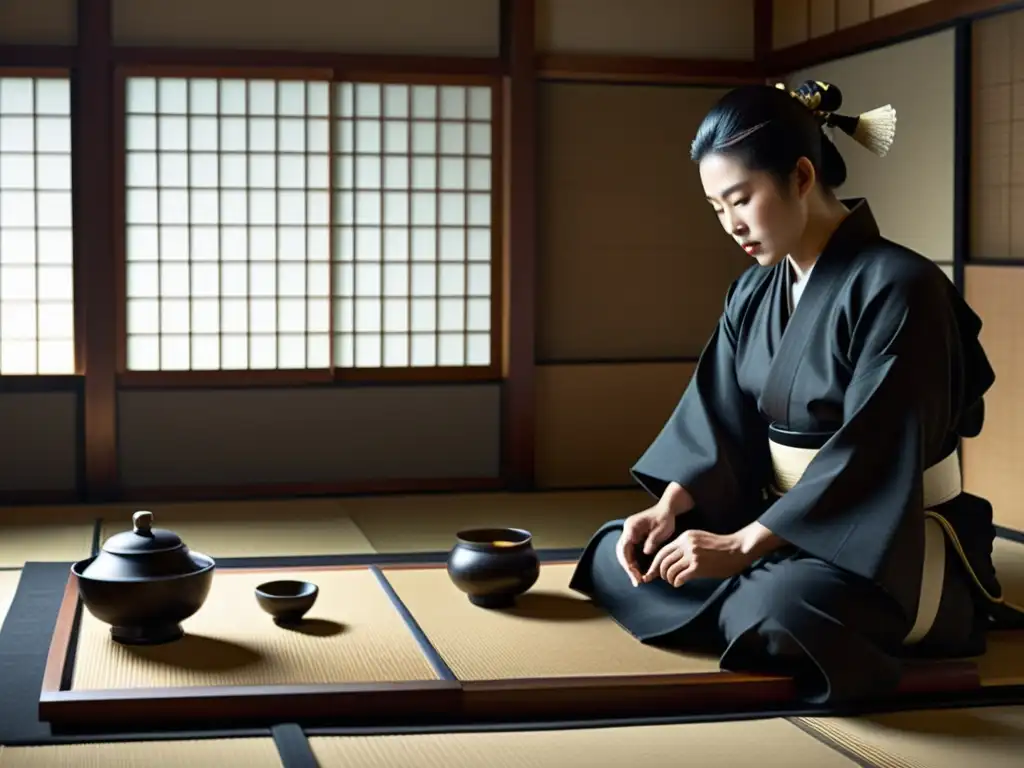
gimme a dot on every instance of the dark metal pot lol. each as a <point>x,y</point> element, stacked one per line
<point>144,583</point>
<point>493,566</point>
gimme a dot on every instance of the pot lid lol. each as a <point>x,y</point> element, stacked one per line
<point>143,538</point>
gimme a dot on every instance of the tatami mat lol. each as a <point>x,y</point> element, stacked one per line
<point>254,528</point>
<point>764,743</point>
<point>352,634</point>
<point>250,752</point>
<point>552,632</point>
<point>352,525</point>
<point>8,586</point>
<point>1009,560</point>
<point>1003,663</point>
<point>989,737</point>
<point>430,522</point>
<point>22,542</point>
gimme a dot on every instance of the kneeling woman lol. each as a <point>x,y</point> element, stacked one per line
<point>809,516</point>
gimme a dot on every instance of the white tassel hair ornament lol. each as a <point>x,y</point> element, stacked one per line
<point>874,130</point>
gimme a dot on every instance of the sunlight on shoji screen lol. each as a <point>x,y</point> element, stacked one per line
<point>227,216</point>
<point>37,327</point>
<point>230,220</point>
<point>412,236</point>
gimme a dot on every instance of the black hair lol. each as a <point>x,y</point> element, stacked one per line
<point>768,130</point>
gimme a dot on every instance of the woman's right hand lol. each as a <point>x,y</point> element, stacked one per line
<point>652,528</point>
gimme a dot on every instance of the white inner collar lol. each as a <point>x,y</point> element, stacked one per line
<point>797,282</point>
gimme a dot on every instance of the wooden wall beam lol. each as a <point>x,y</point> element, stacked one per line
<point>916,21</point>
<point>343,64</point>
<point>764,11</point>
<point>92,196</point>
<point>519,200</point>
<point>37,56</point>
<point>963,144</point>
<point>644,69</point>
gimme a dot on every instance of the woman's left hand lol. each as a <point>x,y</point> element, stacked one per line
<point>698,555</point>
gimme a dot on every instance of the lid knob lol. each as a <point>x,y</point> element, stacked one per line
<point>142,522</point>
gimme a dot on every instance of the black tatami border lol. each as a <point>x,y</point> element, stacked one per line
<point>1010,534</point>
<point>293,746</point>
<point>440,667</point>
<point>380,559</point>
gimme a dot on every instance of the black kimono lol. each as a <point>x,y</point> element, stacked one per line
<point>880,370</point>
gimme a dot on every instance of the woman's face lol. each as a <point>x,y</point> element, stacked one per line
<point>752,208</point>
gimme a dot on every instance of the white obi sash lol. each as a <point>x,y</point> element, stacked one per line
<point>942,482</point>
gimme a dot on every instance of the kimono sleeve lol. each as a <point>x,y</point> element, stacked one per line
<point>864,488</point>
<point>701,446</point>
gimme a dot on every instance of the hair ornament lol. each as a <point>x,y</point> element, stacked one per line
<point>875,130</point>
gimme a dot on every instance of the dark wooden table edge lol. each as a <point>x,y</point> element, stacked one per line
<point>519,699</point>
<point>271,703</point>
<point>64,632</point>
<point>587,685</point>
<point>411,701</point>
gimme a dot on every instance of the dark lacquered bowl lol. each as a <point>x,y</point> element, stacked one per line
<point>144,583</point>
<point>287,601</point>
<point>493,566</point>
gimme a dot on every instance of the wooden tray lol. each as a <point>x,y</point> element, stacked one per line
<point>445,698</point>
